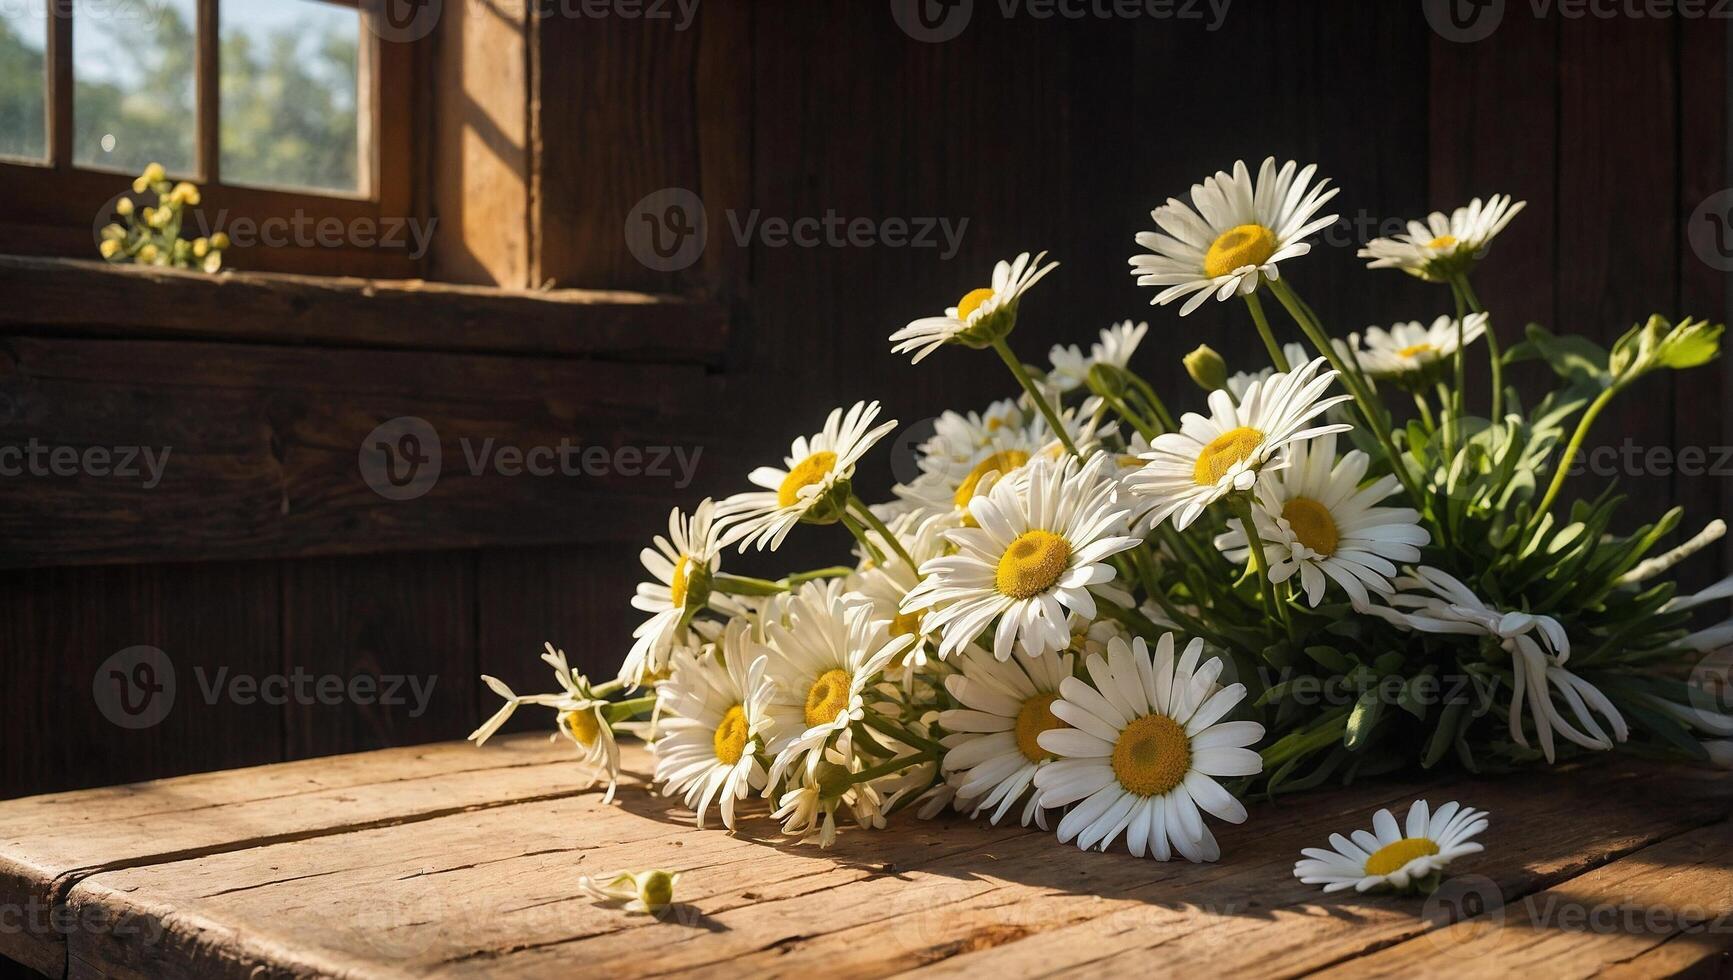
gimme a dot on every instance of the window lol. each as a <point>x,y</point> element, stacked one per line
<point>281,110</point>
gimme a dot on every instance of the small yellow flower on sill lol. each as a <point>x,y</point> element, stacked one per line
<point>152,174</point>
<point>201,246</point>
<point>642,891</point>
<point>220,241</point>
<point>147,253</point>
<point>110,248</point>
<point>113,232</point>
<point>123,207</point>
<point>159,217</point>
<point>185,193</point>
<point>213,261</point>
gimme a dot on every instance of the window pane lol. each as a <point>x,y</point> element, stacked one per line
<point>134,68</point>
<point>23,79</point>
<point>289,89</point>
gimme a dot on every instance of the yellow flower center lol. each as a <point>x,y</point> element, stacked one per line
<point>1442,241</point>
<point>1079,643</point>
<point>906,624</point>
<point>1003,461</point>
<point>1237,248</point>
<point>1223,453</point>
<point>583,726</point>
<point>1416,350</point>
<point>1312,524</point>
<point>971,302</point>
<point>1033,563</point>
<point>730,738</point>
<point>1036,716</point>
<point>828,697</point>
<point>1152,755</point>
<point>1391,857</point>
<point>813,469</point>
<point>677,586</point>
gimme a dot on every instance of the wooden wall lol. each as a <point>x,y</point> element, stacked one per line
<point>1042,134</point>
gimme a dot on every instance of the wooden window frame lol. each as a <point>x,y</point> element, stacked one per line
<point>54,205</point>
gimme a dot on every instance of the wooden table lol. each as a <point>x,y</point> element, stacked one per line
<point>456,861</point>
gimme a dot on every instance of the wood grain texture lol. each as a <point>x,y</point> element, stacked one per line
<point>457,862</point>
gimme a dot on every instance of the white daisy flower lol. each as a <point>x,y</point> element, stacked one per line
<point>1537,665</point>
<point>1117,344</point>
<point>821,665</point>
<point>959,437</point>
<point>1209,458</point>
<point>713,724</point>
<point>814,486</point>
<point>945,493</point>
<point>1241,380</point>
<point>1412,348</point>
<point>1444,246</point>
<point>683,564</point>
<point>882,587</point>
<point>992,754</point>
<point>640,891</point>
<point>807,808</point>
<point>1392,855</point>
<point>1317,521</point>
<point>1041,544</point>
<point>582,717</point>
<point>1237,235</point>
<point>1145,749</point>
<point>982,316</point>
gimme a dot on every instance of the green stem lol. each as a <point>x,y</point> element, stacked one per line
<point>1460,368</point>
<point>1155,403</point>
<point>893,766</point>
<point>624,710</point>
<point>1273,606</point>
<point>1028,383</point>
<point>606,688</point>
<point>873,521</point>
<point>1575,446</point>
<point>860,535</point>
<point>1370,411</point>
<point>1492,348</point>
<point>901,734</point>
<point>834,571</point>
<point>745,585</point>
<point>1425,412</point>
<point>1277,358</point>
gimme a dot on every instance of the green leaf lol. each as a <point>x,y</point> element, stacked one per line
<point>1573,358</point>
<point>1330,658</point>
<point>1362,720</point>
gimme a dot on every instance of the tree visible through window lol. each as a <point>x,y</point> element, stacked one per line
<point>23,83</point>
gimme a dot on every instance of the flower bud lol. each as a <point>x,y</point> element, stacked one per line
<point>1207,368</point>
<point>123,207</point>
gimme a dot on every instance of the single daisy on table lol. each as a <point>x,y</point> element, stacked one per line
<point>1394,856</point>
<point>1117,344</point>
<point>581,717</point>
<point>1209,458</point>
<point>1042,542</point>
<point>639,891</point>
<point>1444,246</point>
<point>1318,522</point>
<point>683,564</point>
<point>982,316</point>
<point>821,664</point>
<point>713,724</point>
<point>993,755</point>
<point>1413,349</point>
<point>817,475</point>
<point>1144,749</point>
<point>1235,237</point>
<point>1434,601</point>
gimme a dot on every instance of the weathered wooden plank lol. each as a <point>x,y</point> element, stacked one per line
<point>64,296</point>
<point>493,892</point>
<point>49,843</point>
<point>256,451</point>
<point>1670,903</point>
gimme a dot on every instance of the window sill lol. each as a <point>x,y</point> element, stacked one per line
<point>71,297</point>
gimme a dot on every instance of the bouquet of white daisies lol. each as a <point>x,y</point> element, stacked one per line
<point>1089,613</point>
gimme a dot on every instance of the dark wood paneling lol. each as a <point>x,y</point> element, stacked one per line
<point>405,617</point>
<point>263,448</point>
<point>59,626</point>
